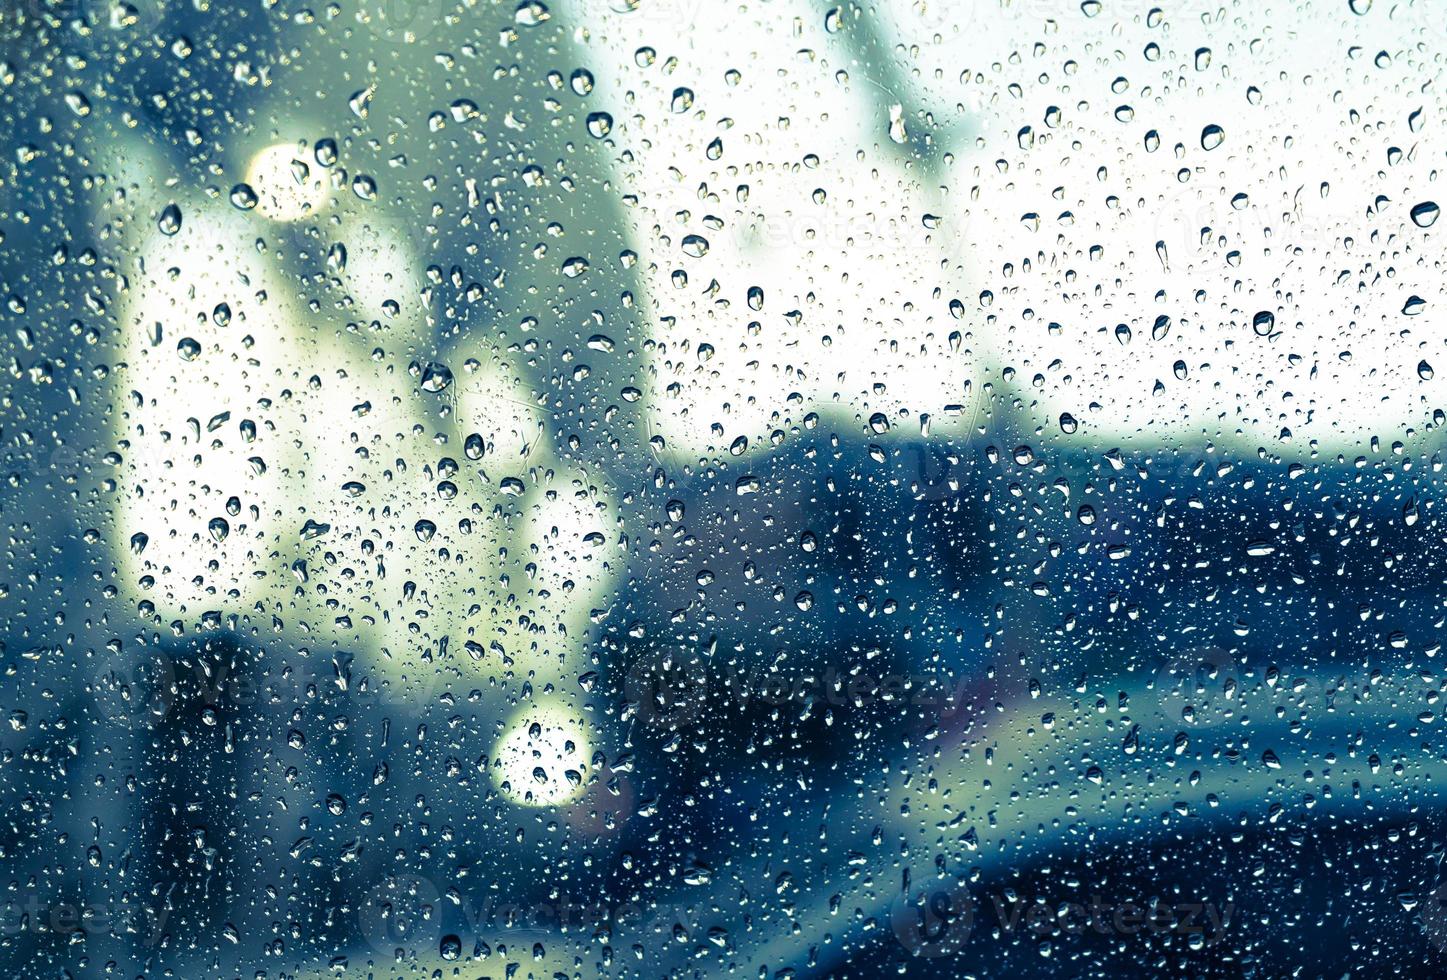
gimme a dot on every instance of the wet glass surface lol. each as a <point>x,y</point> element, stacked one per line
<point>675,488</point>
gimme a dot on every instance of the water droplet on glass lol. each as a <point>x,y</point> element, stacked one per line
<point>600,124</point>
<point>170,221</point>
<point>436,377</point>
<point>243,197</point>
<point>896,124</point>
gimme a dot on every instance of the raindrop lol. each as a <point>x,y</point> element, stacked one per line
<point>436,377</point>
<point>1424,215</point>
<point>243,197</point>
<point>600,124</point>
<point>896,124</point>
<point>170,221</point>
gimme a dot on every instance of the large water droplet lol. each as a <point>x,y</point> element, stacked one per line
<point>436,377</point>
<point>170,220</point>
<point>1424,215</point>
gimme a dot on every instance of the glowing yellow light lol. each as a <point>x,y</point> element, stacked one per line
<point>542,760</point>
<point>288,186</point>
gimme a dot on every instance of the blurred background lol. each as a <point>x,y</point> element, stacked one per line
<point>685,488</point>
